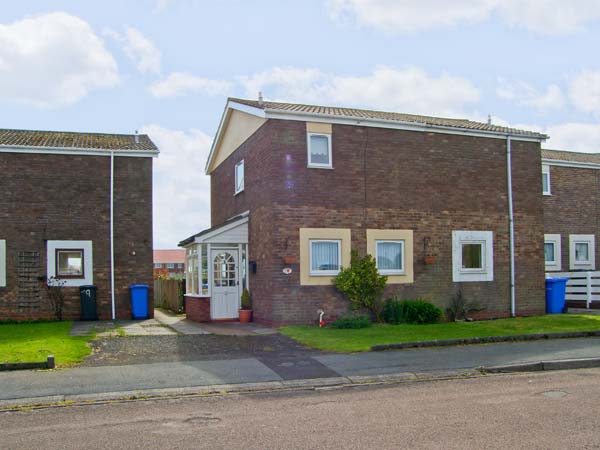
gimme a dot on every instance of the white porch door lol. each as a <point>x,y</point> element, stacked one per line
<point>225,298</point>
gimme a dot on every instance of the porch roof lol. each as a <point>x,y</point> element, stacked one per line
<point>232,231</point>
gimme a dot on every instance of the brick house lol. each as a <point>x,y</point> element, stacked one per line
<point>170,262</point>
<point>68,199</point>
<point>571,215</point>
<point>295,188</point>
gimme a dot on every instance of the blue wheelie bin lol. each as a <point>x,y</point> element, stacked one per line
<point>555,295</point>
<point>139,301</point>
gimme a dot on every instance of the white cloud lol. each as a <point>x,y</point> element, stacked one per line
<point>584,91</point>
<point>161,5</point>
<point>580,137</point>
<point>139,49</point>
<point>524,94</point>
<point>178,84</point>
<point>410,90</point>
<point>181,190</point>
<point>410,16</point>
<point>53,60</point>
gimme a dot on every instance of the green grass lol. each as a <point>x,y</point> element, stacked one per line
<point>33,342</point>
<point>337,340</point>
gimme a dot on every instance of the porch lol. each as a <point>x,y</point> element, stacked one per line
<point>217,270</point>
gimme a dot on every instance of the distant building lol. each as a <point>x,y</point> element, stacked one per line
<point>169,261</point>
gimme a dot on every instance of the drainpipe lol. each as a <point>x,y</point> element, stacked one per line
<point>511,226</point>
<point>112,234</point>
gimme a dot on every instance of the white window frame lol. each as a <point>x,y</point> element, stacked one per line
<point>546,171</point>
<point>390,271</point>
<point>588,239</point>
<point>481,269</point>
<point>318,165</point>
<point>2,263</point>
<point>486,239</point>
<point>239,187</point>
<point>88,261</point>
<point>324,273</point>
<point>556,264</point>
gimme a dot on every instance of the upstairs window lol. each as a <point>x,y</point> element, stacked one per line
<point>546,180</point>
<point>319,150</point>
<point>239,177</point>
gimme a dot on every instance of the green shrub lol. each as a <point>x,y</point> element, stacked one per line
<point>246,299</point>
<point>362,285</point>
<point>392,311</point>
<point>410,311</point>
<point>352,321</point>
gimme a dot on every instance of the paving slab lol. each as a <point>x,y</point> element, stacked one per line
<point>84,328</point>
<point>179,322</point>
<point>148,327</point>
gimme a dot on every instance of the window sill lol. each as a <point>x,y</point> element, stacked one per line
<point>333,274</point>
<point>546,194</point>
<point>311,166</point>
<point>391,274</point>
<point>238,192</point>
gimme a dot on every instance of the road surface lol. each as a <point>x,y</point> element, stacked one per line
<point>551,410</point>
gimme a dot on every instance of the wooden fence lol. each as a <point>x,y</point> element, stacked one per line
<point>168,294</point>
<point>582,286</point>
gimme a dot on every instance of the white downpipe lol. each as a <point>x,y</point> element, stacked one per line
<point>511,226</point>
<point>112,234</point>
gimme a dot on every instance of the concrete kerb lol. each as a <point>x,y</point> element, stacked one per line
<point>228,389</point>
<point>485,340</point>
<point>563,364</point>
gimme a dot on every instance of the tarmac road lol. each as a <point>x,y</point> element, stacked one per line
<point>550,410</point>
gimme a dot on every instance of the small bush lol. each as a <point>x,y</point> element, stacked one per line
<point>410,311</point>
<point>351,321</point>
<point>460,309</point>
<point>246,299</point>
<point>392,311</point>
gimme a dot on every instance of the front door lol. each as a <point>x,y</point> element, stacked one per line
<point>225,300</point>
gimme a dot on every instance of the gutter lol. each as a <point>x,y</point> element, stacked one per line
<point>511,226</point>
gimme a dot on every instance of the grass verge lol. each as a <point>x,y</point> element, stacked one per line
<point>32,342</point>
<point>336,340</point>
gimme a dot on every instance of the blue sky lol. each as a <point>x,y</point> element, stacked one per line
<point>165,67</point>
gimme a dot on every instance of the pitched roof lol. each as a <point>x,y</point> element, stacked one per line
<point>561,155</point>
<point>74,140</point>
<point>169,256</point>
<point>367,114</point>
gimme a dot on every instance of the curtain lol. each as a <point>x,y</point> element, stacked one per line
<point>325,255</point>
<point>581,252</point>
<point>389,256</point>
<point>549,252</point>
<point>319,150</point>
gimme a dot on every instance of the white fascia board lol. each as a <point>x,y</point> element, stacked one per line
<point>224,228</point>
<point>229,106</point>
<point>78,151</point>
<point>575,164</point>
<point>393,124</point>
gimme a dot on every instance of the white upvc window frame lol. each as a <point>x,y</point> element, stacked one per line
<point>88,261</point>
<point>239,187</point>
<point>2,263</point>
<point>546,172</point>
<point>330,153</point>
<point>588,239</point>
<point>324,273</point>
<point>555,265</point>
<point>483,238</point>
<point>401,271</point>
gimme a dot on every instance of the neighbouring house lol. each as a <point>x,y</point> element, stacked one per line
<point>76,207</point>
<point>169,262</point>
<point>295,188</point>
<point>571,198</point>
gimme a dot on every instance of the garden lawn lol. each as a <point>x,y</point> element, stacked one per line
<point>33,342</point>
<point>344,340</point>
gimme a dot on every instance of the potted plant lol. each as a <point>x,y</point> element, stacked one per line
<point>246,309</point>
<point>429,259</point>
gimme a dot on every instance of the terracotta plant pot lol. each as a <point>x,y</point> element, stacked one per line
<point>429,259</point>
<point>289,260</point>
<point>245,315</point>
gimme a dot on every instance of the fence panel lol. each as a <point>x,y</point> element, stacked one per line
<point>168,294</point>
<point>582,286</point>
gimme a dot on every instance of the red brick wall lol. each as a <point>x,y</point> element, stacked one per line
<point>197,309</point>
<point>65,197</point>
<point>573,207</point>
<point>381,178</point>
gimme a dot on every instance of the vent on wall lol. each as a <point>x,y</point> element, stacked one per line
<point>28,269</point>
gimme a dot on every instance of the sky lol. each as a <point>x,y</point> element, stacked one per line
<point>166,67</point>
